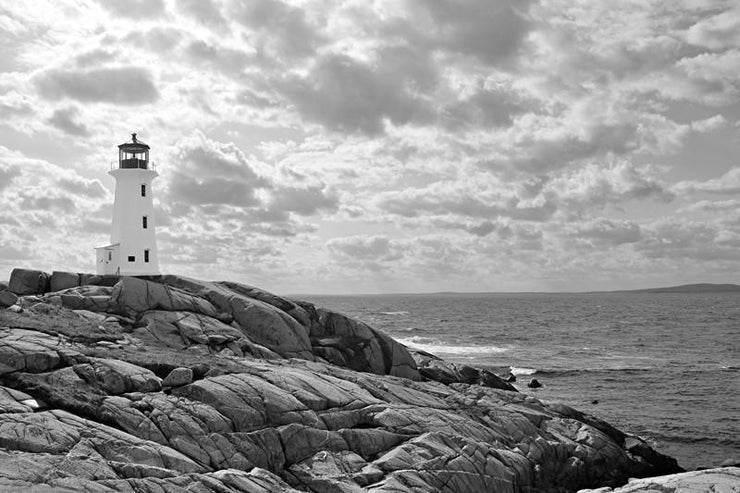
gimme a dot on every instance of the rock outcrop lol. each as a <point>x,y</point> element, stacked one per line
<point>168,383</point>
<point>722,479</point>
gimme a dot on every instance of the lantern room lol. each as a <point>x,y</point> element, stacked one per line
<point>133,154</point>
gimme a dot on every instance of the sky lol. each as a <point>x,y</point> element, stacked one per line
<point>375,146</point>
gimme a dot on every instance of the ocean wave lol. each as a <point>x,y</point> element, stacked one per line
<point>438,347</point>
<point>522,371</point>
<point>394,313</point>
<point>564,372</point>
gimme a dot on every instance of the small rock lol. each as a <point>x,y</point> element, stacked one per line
<point>511,378</point>
<point>7,298</point>
<point>178,377</point>
<point>534,384</point>
<point>594,401</point>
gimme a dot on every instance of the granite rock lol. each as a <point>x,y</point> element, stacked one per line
<point>721,479</point>
<point>26,281</point>
<point>7,298</point>
<point>172,384</point>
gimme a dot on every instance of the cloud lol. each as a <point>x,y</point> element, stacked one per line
<point>672,239</point>
<point>136,9</point>
<point>303,201</point>
<point>556,148</point>
<point>82,186</point>
<point>372,248</point>
<point>224,59</point>
<point>605,232</point>
<point>598,185</point>
<point>282,30</point>
<point>347,95</point>
<point>65,120</point>
<point>8,173</point>
<point>729,183</point>
<point>481,200</point>
<point>487,107</point>
<point>124,85</point>
<point>204,11</point>
<point>210,172</point>
<point>708,125</point>
<point>490,30</point>
<point>717,32</point>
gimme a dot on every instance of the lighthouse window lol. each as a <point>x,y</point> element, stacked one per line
<point>110,255</point>
<point>146,255</point>
<point>144,222</point>
<point>132,258</point>
<point>143,190</point>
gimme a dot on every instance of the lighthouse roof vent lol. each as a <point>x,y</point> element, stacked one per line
<point>134,145</point>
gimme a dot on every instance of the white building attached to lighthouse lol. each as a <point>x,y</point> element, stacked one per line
<point>133,248</point>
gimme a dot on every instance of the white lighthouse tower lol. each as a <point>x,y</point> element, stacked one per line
<point>133,248</point>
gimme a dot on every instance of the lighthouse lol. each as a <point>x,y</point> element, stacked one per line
<point>133,241</point>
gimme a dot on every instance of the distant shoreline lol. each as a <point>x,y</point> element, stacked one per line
<point>697,288</point>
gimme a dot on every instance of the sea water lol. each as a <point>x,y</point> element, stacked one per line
<point>664,366</point>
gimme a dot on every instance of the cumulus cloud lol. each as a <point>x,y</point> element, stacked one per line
<point>7,173</point>
<point>717,32</point>
<point>282,30</point>
<point>710,124</point>
<point>375,248</point>
<point>673,239</point>
<point>65,119</point>
<point>607,232</point>
<point>136,9</point>
<point>303,201</point>
<point>124,85</point>
<point>225,59</point>
<point>348,95</point>
<point>490,30</point>
<point>598,185</point>
<point>728,183</point>
<point>204,11</point>
<point>210,172</point>
<point>556,148</point>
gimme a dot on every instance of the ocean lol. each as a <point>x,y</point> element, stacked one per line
<point>664,366</point>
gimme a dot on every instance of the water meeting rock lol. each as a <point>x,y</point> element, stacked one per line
<point>166,383</point>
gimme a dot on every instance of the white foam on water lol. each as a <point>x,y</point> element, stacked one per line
<point>437,347</point>
<point>394,313</point>
<point>522,371</point>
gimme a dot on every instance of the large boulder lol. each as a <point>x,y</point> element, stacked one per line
<point>262,322</point>
<point>358,346</point>
<point>63,280</point>
<point>28,282</point>
<point>132,297</point>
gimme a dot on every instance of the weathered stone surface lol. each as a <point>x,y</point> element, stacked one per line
<point>132,296</point>
<point>83,407</point>
<point>722,479</point>
<point>26,350</point>
<point>7,298</point>
<point>63,280</point>
<point>117,377</point>
<point>25,281</point>
<point>361,347</point>
<point>14,401</point>
<point>178,377</point>
<point>433,368</point>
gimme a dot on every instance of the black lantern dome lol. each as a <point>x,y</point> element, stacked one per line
<point>133,154</point>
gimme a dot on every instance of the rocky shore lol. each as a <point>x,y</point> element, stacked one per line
<point>170,384</point>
